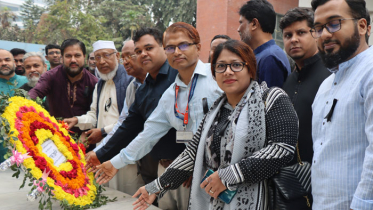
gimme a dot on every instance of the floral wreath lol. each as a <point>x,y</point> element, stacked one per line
<point>29,126</point>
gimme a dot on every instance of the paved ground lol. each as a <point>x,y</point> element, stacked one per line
<point>13,199</point>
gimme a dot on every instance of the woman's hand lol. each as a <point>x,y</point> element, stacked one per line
<point>145,200</point>
<point>213,185</point>
<point>105,172</point>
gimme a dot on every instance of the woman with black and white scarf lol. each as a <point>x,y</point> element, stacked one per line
<point>246,137</point>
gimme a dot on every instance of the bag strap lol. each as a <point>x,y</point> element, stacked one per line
<point>298,156</point>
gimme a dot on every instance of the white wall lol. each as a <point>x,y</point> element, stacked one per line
<point>369,4</point>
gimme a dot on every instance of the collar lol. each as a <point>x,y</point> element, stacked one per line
<point>349,63</point>
<point>201,69</point>
<point>11,79</point>
<point>264,46</point>
<point>309,61</point>
<point>162,71</point>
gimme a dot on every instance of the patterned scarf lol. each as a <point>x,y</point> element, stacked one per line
<point>245,134</point>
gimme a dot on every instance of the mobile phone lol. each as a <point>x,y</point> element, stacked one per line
<point>226,195</point>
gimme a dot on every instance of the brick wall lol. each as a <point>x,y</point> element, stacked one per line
<point>221,17</point>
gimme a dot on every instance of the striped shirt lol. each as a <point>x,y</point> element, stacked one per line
<point>342,167</point>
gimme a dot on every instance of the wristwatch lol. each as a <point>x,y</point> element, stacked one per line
<point>103,132</point>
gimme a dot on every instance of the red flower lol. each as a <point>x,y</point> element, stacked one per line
<point>82,147</point>
<point>40,162</point>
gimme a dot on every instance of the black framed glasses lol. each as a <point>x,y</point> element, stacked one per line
<point>235,66</point>
<point>104,56</point>
<point>183,47</point>
<point>331,26</point>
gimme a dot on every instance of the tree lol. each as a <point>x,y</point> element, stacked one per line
<point>31,13</point>
<point>67,19</point>
<point>166,12</point>
<point>6,17</point>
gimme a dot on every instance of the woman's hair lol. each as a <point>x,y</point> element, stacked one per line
<point>239,48</point>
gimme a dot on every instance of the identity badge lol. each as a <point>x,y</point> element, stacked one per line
<point>184,136</point>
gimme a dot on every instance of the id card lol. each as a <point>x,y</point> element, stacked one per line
<point>184,136</point>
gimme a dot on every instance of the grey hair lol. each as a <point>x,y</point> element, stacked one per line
<point>34,54</point>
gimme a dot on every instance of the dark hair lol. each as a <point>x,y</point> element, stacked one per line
<point>368,24</point>
<point>261,10</point>
<point>357,7</point>
<point>17,51</point>
<point>51,46</point>
<point>239,48</point>
<point>186,28</point>
<point>295,15</point>
<point>220,36</point>
<point>71,42</point>
<point>156,33</point>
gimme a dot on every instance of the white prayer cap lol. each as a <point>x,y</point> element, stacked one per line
<point>101,44</point>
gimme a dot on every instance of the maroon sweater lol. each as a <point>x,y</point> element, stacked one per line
<point>65,99</point>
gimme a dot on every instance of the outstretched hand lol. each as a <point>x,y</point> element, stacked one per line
<point>71,121</point>
<point>105,172</point>
<point>92,161</point>
<point>145,200</point>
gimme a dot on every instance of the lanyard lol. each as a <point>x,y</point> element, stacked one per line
<point>191,93</point>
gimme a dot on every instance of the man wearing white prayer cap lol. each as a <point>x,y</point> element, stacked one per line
<point>109,94</point>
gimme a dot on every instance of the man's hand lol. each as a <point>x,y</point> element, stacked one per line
<point>105,172</point>
<point>145,200</point>
<point>71,121</point>
<point>95,135</point>
<point>188,182</point>
<point>213,185</point>
<point>92,161</point>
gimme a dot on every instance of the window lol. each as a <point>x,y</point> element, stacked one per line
<point>277,34</point>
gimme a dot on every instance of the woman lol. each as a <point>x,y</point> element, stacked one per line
<point>248,134</point>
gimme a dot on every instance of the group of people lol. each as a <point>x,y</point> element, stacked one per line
<point>157,118</point>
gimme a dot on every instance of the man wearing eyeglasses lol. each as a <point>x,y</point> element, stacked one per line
<point>342,121</point>
<point>181,108</point>
<point>53,55</point>
<point>108,96</point>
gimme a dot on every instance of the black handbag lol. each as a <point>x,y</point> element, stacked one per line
<point>290,187</point>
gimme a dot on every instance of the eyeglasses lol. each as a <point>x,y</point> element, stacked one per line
<point>128,57</point>
<point>183,47</point>
<point>235,66</point>
<point>105,56</point>
<point>54,52</point>
<point>91,58</point>
<point>331,26</point>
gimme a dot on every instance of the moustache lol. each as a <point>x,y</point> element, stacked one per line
<point>328,41</point>
<point>73,64</point>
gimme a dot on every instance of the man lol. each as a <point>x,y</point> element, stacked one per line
<point>218,39</point>
<point>18,56</point>
<point>310,72</point>
<point>193,83</point>
<point>53,55</point>
<point>108,96</point>
<point>127,179</point>
<point>68,87</point>
<point>7,75</point>
<point>91,63</point>
<point>303,83</point>
<point>257,24</point>
<point>342,110</point>
<point>35,66</point>
<point>152,58</point>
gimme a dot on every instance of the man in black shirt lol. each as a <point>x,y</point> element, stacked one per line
<point>152,58</point>
<point>310,72</point>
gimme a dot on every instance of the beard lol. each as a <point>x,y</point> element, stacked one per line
<point>346,50</point>
<point>10,72</point>
<point>71,72</point>
<point>33,80</point>
<point>110,75</point>
<point>20,72</point>
<point>246,37</point>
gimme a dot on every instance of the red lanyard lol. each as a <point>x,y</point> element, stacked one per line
<point>191,93</point>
